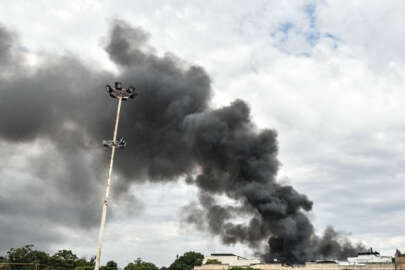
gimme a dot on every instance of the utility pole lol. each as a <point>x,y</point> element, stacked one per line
<point>121,94</point>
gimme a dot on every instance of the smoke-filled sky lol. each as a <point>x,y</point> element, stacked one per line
<point>326,78</point>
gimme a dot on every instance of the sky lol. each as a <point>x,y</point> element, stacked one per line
<point>327,76</point>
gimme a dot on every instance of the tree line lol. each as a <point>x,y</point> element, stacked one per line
<point>67,259</point>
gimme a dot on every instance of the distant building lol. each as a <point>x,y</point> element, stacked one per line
<point>370,260</point>
<point>230,259</point>
<point>367,258</point>
<point>399,260</point>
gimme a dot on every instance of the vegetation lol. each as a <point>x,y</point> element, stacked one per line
<point>138,264</point>
<point>241,268</point>
<point>111,265</point>
<point>61,259</point>
<point>26,254</point>
<point>187,261</point>
<point>66,259</point>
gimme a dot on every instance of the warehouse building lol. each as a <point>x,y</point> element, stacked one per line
<point>367,258</point>
<point>370,260</point>
<point>229,259</point>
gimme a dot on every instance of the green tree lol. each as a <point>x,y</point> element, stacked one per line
<point>92,260</point>
<point>241,268</point>
<point>27,254</point>
<point>63,258</point>
<point>111,265</point>
<point>82,262</point>
<point>187,261</point>
<point>138,264</point>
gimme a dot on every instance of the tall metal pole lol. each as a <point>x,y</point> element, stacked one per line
<point>121,94</point>
<point>107,191</point>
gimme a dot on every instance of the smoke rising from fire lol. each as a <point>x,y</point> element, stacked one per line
<point>172,132</point>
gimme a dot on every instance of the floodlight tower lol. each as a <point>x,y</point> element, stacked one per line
<point>121,94</point>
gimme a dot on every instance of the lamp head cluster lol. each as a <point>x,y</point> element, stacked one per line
<point>118,144</point>
<point>119,92</point>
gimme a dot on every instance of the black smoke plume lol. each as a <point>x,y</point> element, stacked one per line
<point>333,245</point>
<point>172,132</point>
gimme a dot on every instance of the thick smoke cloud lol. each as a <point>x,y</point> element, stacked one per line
<point>333,245</point>
<point>172,133</point>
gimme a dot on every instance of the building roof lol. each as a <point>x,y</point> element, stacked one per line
<point>326,261</point>
<point>222,254</point>
<point>369,252</point>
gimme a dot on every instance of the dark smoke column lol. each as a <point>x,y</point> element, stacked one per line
<point>174,133</point>
<point>121,94</point>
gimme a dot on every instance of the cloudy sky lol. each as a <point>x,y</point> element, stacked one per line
<point>327,75</point>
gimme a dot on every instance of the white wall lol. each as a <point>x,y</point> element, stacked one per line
<point>232,260</point>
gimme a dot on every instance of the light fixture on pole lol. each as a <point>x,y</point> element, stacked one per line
<point>121,94</point>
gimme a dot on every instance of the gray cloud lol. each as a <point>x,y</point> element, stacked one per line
<point>17,232</point>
